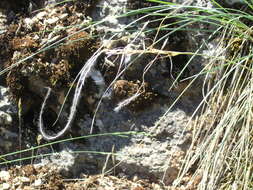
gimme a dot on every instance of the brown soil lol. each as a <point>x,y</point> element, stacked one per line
<point>123,89</point>
<point>48,178</point>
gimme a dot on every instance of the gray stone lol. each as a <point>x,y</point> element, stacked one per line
<point>8,110</point>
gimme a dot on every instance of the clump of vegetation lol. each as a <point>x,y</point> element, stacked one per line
<point>221,154</point>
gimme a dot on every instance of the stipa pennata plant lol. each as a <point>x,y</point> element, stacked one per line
<point>221,154</point>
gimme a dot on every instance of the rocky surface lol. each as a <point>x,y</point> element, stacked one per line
<point>8,120</point>
<point>129,96</point>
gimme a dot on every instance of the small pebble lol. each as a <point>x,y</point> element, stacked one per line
<point>5,119</point>
<point>4,175</point>
<point>24,179</point>
<point>51,20</point>
<point>37,182</point>
<point>5,186</point>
